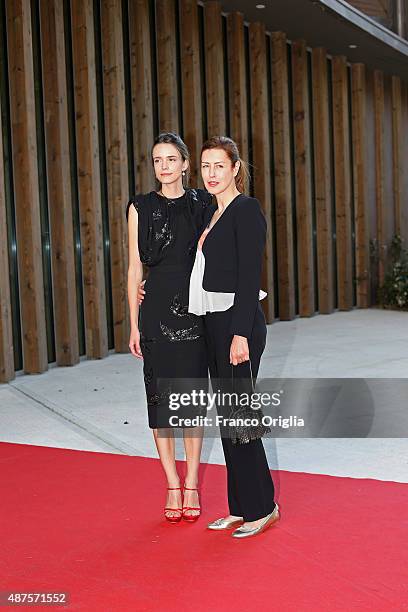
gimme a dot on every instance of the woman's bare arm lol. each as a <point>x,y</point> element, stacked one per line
<point>135,276</point>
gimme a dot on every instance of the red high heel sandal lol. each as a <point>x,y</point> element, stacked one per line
<point>190,517</point>
<point>175,518</point>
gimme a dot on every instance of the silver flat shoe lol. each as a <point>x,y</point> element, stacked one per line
<point>223,523</point>
<point>267,522</point>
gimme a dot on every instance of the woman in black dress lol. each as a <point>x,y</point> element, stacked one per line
<point>163,232</point>
<point>225,287</point>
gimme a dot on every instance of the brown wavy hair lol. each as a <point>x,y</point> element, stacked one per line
<point>230,147</point>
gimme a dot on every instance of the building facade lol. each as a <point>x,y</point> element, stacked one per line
<point>314,93</point>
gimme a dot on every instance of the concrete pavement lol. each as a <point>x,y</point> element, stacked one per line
<point>99,405</point>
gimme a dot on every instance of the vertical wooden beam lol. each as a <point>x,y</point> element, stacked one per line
<point>323,192</point>
<point>26,189</point>
<point>400,17</point>
<point>282,171</point>
<point>397,157</point>
<point>342,182</point>
<point>379,110</point>
<point>83,43</point>
<point>191,85</point>
<point>304,213</point>
<point>116,162</point>
<point>389,170</point>
<point>141,86</point>
<point>238,99</point>
<point>6,330</point>
<point>214,68</point>
<point>167,66</point>
<point>404,156</point>
<point>59,181</point>
<point>359,131</point>
<point>261,147</point>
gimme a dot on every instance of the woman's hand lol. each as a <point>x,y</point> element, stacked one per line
<point>134,343</point>
<point>141,292</point>
<point>239,351</point>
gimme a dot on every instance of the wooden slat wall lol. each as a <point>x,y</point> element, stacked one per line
<point>191,85</point>
<point>116,162</point>
<point>342,186</point>
<point>379,169</point>
<point>389,213</point>
<point>59,181</point>
<point>214,69</point>
<point>6,331</point>
<point>359,131</point>
<point>369,159</point>
<point>302,144</point>
<point>282,176</point>
<point>404,157</point>
<point>237,81</point>
<point>397,157</point>
<point>261,147</point>
<point>321,127</point>
<point>174,70</point>
<point>142,98</point>
<point>89,179</point>
<point>373,8</point>
<point>26,189</point>
<point>167,66</point>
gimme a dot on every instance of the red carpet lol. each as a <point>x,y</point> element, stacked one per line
<point>91,524</point>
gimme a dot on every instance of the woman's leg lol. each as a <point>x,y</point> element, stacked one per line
<point>256,494</point>
<point>253,482</point>
<point>250,483</point>
<point>211,335</point>
<point>165,444</point>
<point>233,500</point>
<point>193,442</point>
<point>248,465</point>
<point>214,327</point>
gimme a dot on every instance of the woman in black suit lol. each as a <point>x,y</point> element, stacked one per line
<point>225,287</point>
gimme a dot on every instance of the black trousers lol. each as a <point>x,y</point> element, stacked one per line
<point>250,485</point>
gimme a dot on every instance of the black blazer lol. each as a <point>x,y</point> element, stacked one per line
<point>233,251</point>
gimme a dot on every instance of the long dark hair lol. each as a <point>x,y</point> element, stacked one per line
<point>230,147</point>
<point>176,141</point>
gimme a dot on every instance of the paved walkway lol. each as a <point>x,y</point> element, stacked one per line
<point>99,405</point>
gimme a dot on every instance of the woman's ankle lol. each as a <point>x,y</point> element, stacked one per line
<point>191,482</point>
<point>173,483</point>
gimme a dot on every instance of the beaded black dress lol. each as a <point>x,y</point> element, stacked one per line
<point>172,340</point>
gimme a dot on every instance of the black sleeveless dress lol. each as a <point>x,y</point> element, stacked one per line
<point>172,340</point>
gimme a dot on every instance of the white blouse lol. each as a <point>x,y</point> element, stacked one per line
<point>202,301</point>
